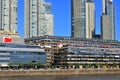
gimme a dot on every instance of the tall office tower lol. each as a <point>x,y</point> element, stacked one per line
<point>90,19</point>
<point>82,18</point>
<point>108,11</point>
<point>38,20</point>
<point>8,15</point>
<point>78,18</point>
<point>49,19</point>
<point>105,27</point>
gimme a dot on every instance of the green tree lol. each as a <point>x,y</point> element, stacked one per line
<point>97,65</point>
<point>31,64</point>
<point>10,64</point>
<point>79,64</point>
<point>89,65</point>
<point>70,65</point>
<point>20,65</point>
<point>39,64</point>
<point>115,65</point>
<point>49,65</point>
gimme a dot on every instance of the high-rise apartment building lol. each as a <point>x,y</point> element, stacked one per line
<point>90,19</point>
<point>38,19</point>
<point>82,18</point>
<point>49,19</point>
<point>8,15</point>
<point>108,20</point>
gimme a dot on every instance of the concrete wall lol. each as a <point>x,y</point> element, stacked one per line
<point>53,72</point>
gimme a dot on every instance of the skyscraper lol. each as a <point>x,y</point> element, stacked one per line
<point>108,20</point>
<point>9,22</point>
<point>38,20</point>
<point>8,15</point>
<point>49,19</point>
<point>106,34</point>
<point>78,18</point>
<point>90,19</point>
<point>82,18</point>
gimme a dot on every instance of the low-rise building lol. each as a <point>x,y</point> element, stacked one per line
<point>21,54</point>
<point>54,44</point>
<point>92,56</point>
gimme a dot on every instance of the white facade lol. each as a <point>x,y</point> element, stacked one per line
<point>36,21</point>
<point>49,25</point>
<point>103,6</point>
<point>90,19</point>
<point>8,15</point>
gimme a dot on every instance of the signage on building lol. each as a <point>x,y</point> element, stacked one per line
<point>7,39</point>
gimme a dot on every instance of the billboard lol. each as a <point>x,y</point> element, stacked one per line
<point>7,39</point>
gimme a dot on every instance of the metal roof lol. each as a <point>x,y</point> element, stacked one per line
<point>22,49</point>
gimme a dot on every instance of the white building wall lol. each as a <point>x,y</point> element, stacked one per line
<point>35,18</point>
<point>8,15</point>
<point>90,19</point>
<point>14,18</point>
<point>50,28</point>
<point>26,18</point>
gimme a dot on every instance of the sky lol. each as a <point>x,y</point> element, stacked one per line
<point>61,10</point>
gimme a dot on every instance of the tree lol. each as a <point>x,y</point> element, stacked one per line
<point>31,64</point>
<point>49,65</point>
<point>97,65</point>
<point>106,65</point>
<point>79,65</point>
<point>10,64</point>
<point>20,65</point>
<point>39,64</point>
<point>115,65</point>
<point>89,65</point>
<point>70,65</point>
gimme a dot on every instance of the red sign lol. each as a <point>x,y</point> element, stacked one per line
<point>7,39</point>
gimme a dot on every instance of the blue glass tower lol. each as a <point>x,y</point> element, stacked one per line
<point>111,13</point>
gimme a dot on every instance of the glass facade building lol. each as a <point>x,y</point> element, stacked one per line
<point>109,11</point>
<point>21,54</point>
<point>82,20</point>
<point>78,18</point>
